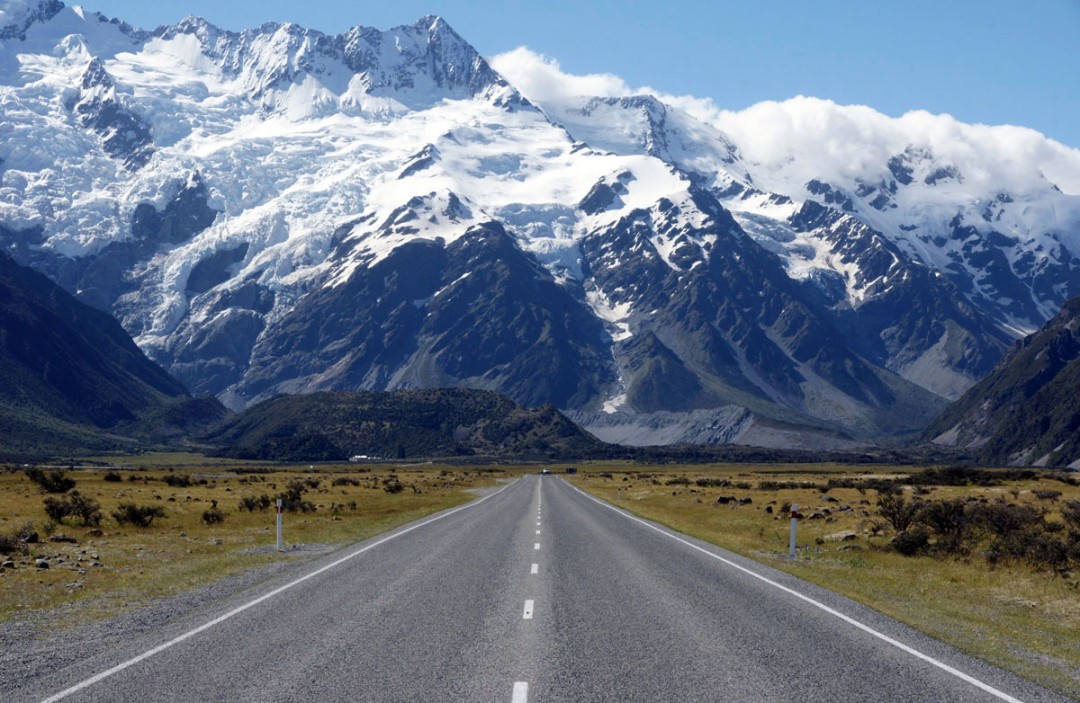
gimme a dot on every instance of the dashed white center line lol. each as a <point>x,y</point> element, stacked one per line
<point>528,610</point>
<point>521,692</point>
<point>536,546</point>
<point>538,532</point>
<point>535,569</point>
<point>538,524</point>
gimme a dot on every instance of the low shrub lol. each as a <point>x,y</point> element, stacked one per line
<point>1033,546</point>
<point>899,511</point>
<point>213,516</point>
<point>55,481</point>
<point>393,485</point>
<point>911,542</point>
<point>1071,514</point>
<point>10,544</point>
<point>966,476</point>
<point>112,477</point>
<point>950,520</point>
<point>177,481</point>
<point>292,500</point>
<point>346,481</point>
<point>75,506</point>
<point>1002,519</point>
<point>253,503</point>
<point>137,515</point>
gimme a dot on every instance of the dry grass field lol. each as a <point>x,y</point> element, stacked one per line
<point>1019,616</point>
<point>111,566</point>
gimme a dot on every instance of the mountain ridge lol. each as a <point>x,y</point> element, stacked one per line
<point>74,380</point>
<point>285,166</point>
<point>1025,412</point>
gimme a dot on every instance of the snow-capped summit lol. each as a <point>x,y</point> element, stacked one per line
<point>282,210</point>
<point>304,73</point>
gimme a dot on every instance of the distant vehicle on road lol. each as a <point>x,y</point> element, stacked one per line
<point>545,472</point>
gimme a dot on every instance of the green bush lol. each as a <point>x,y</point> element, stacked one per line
<point>55,481</point>
<point>292,500</point>
<point>112,477</point>
<point>252,503</point>
<point>213,516</point>
<point>949,519</point>
<point>10,544</point>
<point>76,506</point>
<point>1033,546</point>
<point>911,542</point>
<point>897,510</point>
<point>1003,519</point>
<point>137,515</point>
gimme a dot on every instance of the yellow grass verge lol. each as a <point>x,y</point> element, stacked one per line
<point>114,567</point>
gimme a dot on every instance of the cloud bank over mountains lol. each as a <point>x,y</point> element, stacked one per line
<point>841,141</point>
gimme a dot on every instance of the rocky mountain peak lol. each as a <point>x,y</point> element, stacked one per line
<point>16,16</point>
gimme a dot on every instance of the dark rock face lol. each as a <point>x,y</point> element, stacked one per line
<point>1025,412</point>
<point>476,313</point>
<point>907,309</point>
<point>727,326</point>
<point>66,360</point>
<point>213,269</point>
<point>124,136</point>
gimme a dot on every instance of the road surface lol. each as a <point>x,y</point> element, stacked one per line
<point>535,593</point>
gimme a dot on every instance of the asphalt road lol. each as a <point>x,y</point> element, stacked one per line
<point>535,593</point>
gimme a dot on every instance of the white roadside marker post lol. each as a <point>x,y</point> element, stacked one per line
<point>794,523</point>
<point>279,547</point>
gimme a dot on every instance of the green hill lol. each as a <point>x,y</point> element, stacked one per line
<point>400,425</point>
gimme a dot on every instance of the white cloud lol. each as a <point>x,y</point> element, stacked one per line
<point>808,135</point>
<point>542,80</point>
<point>804,137</point>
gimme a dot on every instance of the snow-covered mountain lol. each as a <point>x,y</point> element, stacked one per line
<point>280,210</point>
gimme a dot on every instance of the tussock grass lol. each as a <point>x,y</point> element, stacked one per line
<point>1008,614</point>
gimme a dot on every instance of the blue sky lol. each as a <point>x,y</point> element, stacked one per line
<point>991,61</point>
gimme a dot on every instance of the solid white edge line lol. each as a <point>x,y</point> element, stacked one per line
<point>528,612</point>
<point>818,604</point>
<point>521,692</point>
<point>236,611</point>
